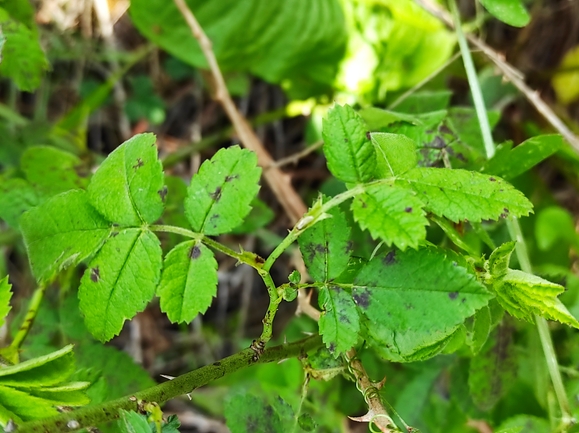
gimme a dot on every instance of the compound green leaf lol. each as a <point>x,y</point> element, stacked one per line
<point>52,170</point>
<point>277,40</point>
<point>395,154</point>
<point>5,296</point>
<point>120,281</point>
<point>348,149</point>
<point>339,323</point>
<point>188,282</point>
<point>509,163</point>
<point>494,369</point>
<point>326,246</point>
<point>465,195</point>
<point>392,214</point>
<point>62,232</point>
<point>68,394</point>
<point>133,422</point>
<point>415,299</point>
<point>525,295</point>
<point>220,194</point>
<point>511,12</point>
<point>22,57</point>
<point>128,187</point>
<point>16,197</point>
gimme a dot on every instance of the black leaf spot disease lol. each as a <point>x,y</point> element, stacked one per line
<point>216,195</point>
<point>231,177</point>
<point>163,193</point>
<point>195,253</point>
<point>390,258</point>
<point>453,295</point>
<point>139,164</point>
<point>362,299</point>
<point>408,209</point>
<point>95,274</point>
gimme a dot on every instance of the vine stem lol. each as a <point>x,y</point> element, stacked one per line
<point>94,415</point>
<point>512,223</point>
<point>33,307</point>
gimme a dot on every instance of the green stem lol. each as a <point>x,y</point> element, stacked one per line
<point>512,223</point>
<point>30,316</point>
<point>101,413</point>
<point>274,301</point>
<point>244,257</point>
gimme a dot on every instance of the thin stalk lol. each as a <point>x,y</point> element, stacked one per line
<point>512,223</point>
<point>94,415</point>
<point>33,307</point>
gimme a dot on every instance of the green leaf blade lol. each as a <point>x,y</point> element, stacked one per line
<point>511,12</point>
<point>350,153</point>
<point>392,214</point>
<point>326,246</point>
<point>62,232</point>
<point>188,282</point>
<point>395,154</point>
<point>465,195</point>
<point>128,187</point>
<point>416,298</point>
<point>220,194</point>
<point>339,323</point>
<point>5,296</point>
<point>120,281</point>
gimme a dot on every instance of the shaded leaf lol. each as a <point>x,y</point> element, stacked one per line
<point>16,197</point>
<point>326,246</point>
<point>494,369</point>
<point>133,422</point>
<point>465,195</point>
<point>188,282</point>
<point>120,281</point>
<point>392,214</point>
<point>510,162</point>
<point>339,322</point>
<point>23,60</point>
<point>511,12</point>
<point>248,413</point>
<point>62,232</point>
<point>395,154</point>
<point>220,193</point>
<point>128,186</point>
<point>350,153</point>
<point>5,296</point>
<point>52,170</point>
<point>478,328</point>
<point>415,299</point>
<point>275,40</point>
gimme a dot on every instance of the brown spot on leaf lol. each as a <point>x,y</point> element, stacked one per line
<point>139,164</point>
<point>492,179</point>
<point>362,299</point>
<point>345,140</point>
<point>195,252</point>
<point>368,136</point>
<point>163,193</point>
<point>232,177</point>
<point>216,195</point>
<point>390,258</point>
<point>95,274</point>
<point>332,347</point>
<point>408,209</point>
<point>453,295</point>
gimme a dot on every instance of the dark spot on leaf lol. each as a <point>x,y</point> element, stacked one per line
<point>492,179</point>
<point>115,225</point>
<point>216,195</point>
<point>345,140</point>
<point>390,258</point>
<point>349,247</point>
<point>139,164</point>
<point>362,299</point>
<point>232,177</point>
<point>343,318</point>
<point>463,300</point>
<point>321,249</point>
<point>460,157</point>
<point>95,274</point>
<point>368,136</point>
<point>332,347</point>
<point>437,143</point>
<point>408,209</point>
<point>364,204</point>
<point>453,295</point>
<point>163,193</point>
<point>444,129</point>
<point>454,264</point>
<point>195,252</point>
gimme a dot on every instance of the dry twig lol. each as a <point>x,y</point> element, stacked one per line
<point>511,73</point>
